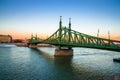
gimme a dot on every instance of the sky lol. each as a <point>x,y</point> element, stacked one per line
<point>21,18</point>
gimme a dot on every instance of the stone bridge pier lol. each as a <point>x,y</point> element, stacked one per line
<point>63,52</point>
<point>32,46</point>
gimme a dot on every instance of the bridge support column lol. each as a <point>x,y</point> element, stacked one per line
<point>32,46</point>
<point>63,52</point>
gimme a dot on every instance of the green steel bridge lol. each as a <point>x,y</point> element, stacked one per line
<point>68,38</point>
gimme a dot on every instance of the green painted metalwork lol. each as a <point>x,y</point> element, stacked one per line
<point>66,37</point>
<point>60,30</point>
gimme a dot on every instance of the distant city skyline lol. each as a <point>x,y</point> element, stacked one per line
<point>21,18</point>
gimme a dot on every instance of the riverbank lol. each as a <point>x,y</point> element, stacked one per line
<point>21,44</point>
<point>39,45</point>
<point>25,45</point>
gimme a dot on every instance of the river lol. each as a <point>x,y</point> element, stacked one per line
<point>23,63</point>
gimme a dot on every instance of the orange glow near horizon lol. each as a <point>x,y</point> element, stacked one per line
<point>16,35</point>
<point>19,36</point>
<point>23,35</point>
<point>113,37</point>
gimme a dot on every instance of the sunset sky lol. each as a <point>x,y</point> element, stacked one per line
<point>20,18</point>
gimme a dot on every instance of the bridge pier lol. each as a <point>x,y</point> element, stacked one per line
<point>32,46</point>
<point>63,52</point>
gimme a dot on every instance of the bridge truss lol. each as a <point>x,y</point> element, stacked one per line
<point>66,37</point>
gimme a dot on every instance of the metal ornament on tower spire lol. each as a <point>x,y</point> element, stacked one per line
<point>69,23</point>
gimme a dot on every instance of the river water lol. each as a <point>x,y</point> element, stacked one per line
<point>22,63</point>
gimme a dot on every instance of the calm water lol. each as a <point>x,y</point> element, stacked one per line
<point>22,63</point>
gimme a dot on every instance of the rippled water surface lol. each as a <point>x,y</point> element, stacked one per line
<point>22,63</point>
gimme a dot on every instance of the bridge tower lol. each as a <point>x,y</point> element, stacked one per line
<point>60,30</point>
<point>69,34</point>
<point>32,39</point>
<point>64,50</point>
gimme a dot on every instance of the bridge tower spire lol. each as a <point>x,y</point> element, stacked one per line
<point>36,35</point>
<point>98,33</point>
<point>70,23</point>
<point>60,30</point>
<point>98,36</point>
<point>60,23</point>
<point>109,37</point>
<point>69,30</point>
<point>32,36</point>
